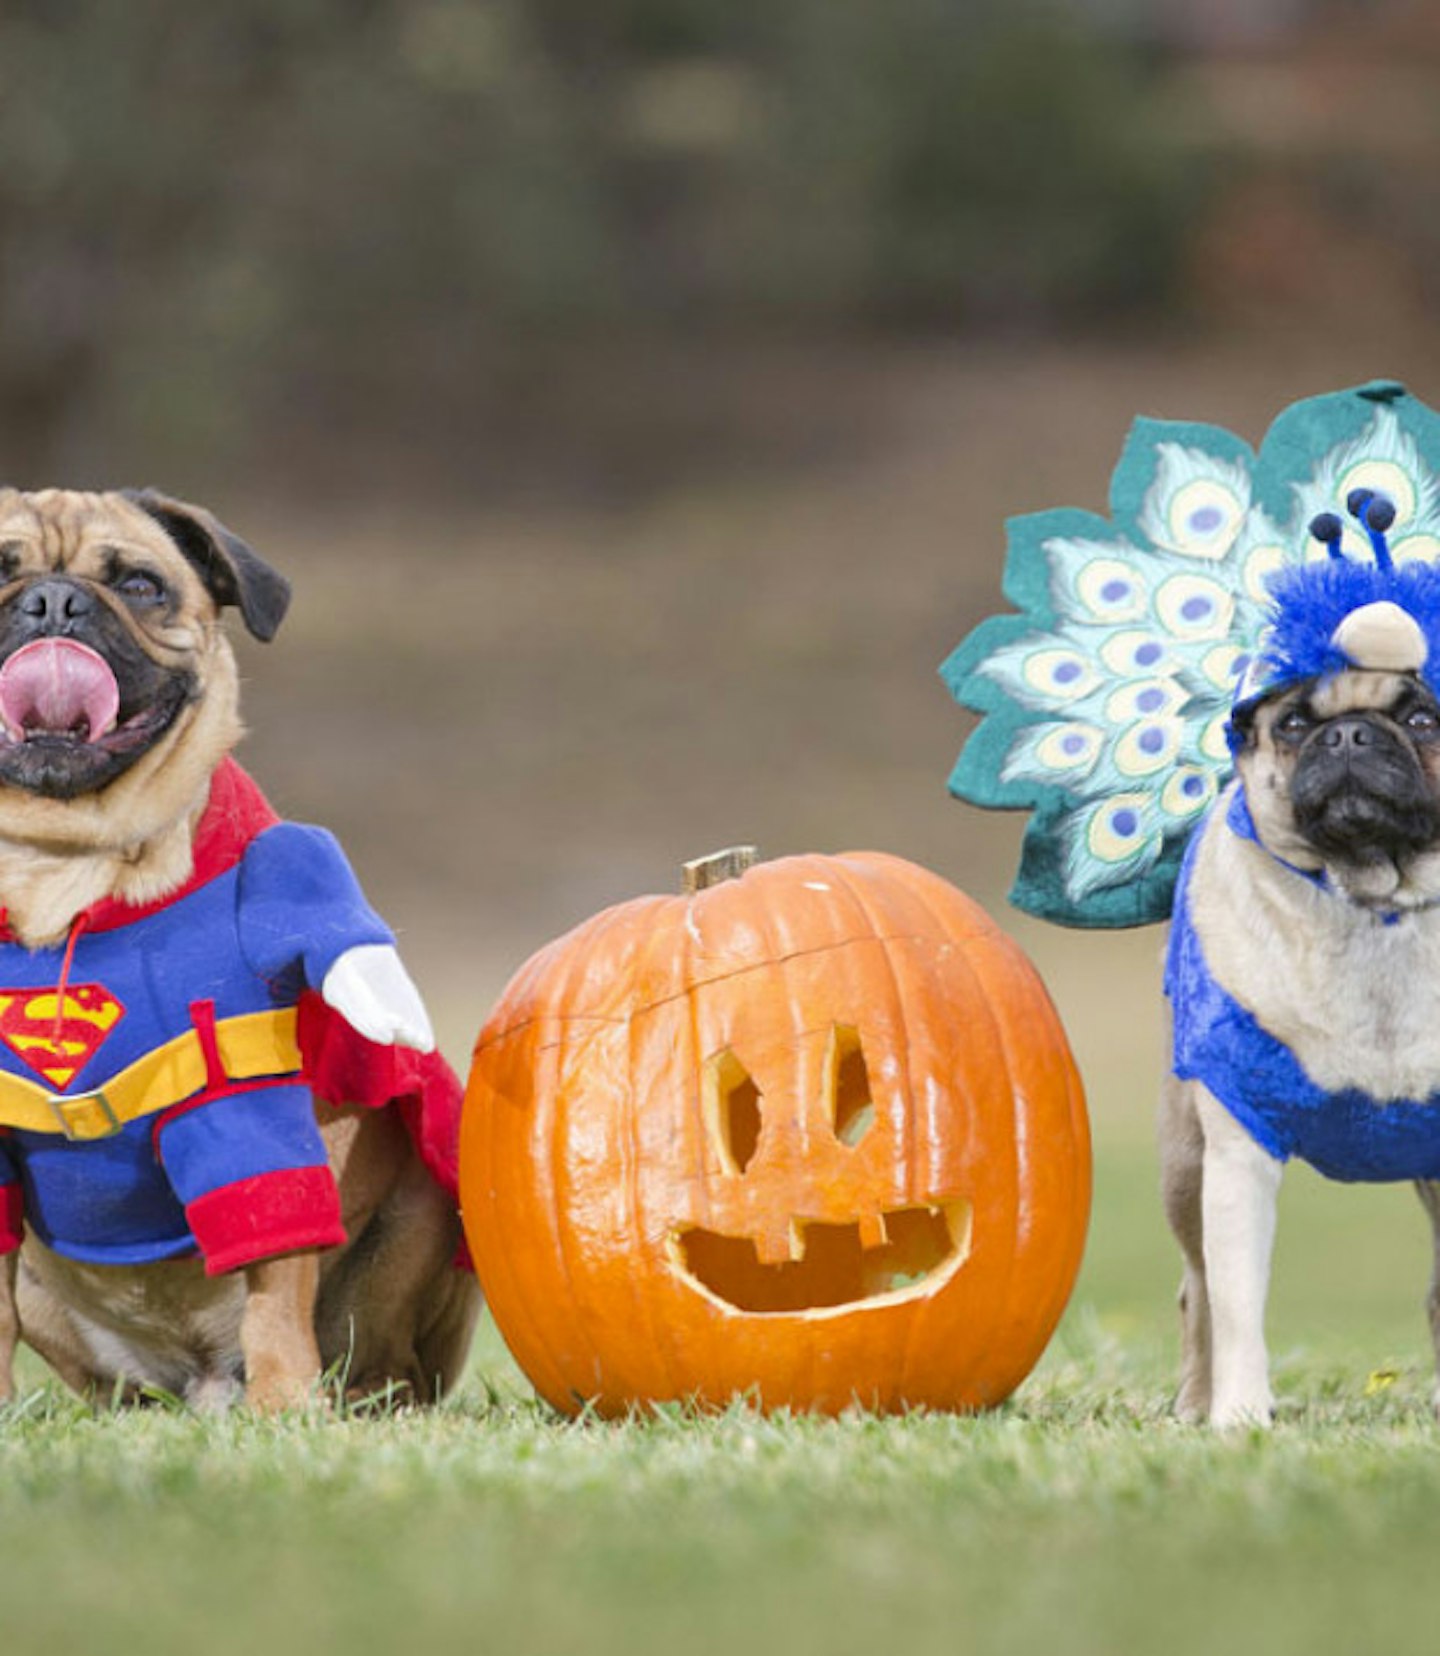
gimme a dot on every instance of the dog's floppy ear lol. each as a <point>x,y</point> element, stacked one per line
<point>232,573</point>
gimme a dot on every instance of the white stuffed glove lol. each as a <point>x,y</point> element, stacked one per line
<point>370,988</point>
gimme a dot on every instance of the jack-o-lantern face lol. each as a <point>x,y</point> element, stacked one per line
<point>812,1134</point>
<point>834,1250</point>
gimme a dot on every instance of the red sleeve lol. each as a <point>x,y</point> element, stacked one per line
<point>266,1215</point>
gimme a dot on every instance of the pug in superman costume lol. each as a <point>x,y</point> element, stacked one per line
<point>226,1142</point>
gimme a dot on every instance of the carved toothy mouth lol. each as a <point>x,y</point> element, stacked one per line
<point>832,1269</point>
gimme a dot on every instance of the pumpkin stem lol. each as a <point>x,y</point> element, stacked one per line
<point>729,864</point>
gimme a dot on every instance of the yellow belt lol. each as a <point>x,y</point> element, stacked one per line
<point>253,1045</point>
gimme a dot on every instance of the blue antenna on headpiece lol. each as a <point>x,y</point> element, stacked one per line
<point>1374,512</point>
<point>1328,528</point>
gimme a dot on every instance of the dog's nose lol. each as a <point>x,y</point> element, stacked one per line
<point>52,603</point>
<point>1346,734</point>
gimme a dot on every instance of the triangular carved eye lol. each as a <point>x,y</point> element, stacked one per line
<point>847,1083</point>
<point>731,1102</point>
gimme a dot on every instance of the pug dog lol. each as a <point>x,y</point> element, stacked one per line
<point>180,1213</point>
<point>1304,959</point>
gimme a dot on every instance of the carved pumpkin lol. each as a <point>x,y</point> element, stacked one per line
<point>813,1133</point>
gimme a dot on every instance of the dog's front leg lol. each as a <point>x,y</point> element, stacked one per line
<point>1182,1182</point>
<point>1429,1193</point>
<point>277,1333</point>
<point>1241,1181</point>
<point>9,1325</point>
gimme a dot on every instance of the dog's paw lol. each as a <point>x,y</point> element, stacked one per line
<point>276,1393</point>
<point>1192,1405</point>
<point>214,1394</point>
<point>370,988</point>
<point>1234,1413</point>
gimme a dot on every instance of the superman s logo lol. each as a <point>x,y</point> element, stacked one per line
<point>57,1039</point>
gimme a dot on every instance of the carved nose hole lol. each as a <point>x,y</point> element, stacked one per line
<point>731,1102</point>
<point>848,1084</point>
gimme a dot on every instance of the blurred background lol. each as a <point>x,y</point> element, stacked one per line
<point>636,390</point>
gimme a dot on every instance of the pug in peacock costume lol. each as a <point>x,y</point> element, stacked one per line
<point>1223,706</point>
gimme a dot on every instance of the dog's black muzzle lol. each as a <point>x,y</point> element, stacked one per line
<point>55,606</point>
<point>1360,791</point>
<point>63,765</point>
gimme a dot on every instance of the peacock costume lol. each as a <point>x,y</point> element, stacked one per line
<point>1112,704</point>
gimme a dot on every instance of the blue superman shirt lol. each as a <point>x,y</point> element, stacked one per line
<point>1345,1135</point>
<point>236,1169</point>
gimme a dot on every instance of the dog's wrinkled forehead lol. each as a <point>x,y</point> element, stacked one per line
<point>1359,692</point>
<point>79,532</point>
<point>74,530</point>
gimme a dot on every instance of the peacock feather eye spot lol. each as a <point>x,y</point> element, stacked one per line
<point>1148,746</point>
<point>1121,830</point>
<point>1203,514</point>
<point>1187,792</point>
<point>1066,672</point>
<point>1049,751</point>
<point>1194,607</point>
<point>1133,650</point>
<point>1108,590</point>
<point>1150,701</point>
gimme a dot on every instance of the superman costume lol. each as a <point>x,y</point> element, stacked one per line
<point>159,1072</point>
<point>1344,1135</point>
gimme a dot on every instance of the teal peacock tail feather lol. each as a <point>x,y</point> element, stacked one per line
<point>1104,702</point>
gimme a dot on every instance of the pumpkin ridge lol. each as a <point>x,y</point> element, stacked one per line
<point>1027,1100</point>
<point>860,894</point>
<point>1017,1182</point>
<point>486,1124</point>
<point>647,1313</point>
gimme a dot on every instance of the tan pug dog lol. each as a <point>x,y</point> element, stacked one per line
<point>118,691</point>
<point>1319,917</point>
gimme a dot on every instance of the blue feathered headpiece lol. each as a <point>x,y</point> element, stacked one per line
<point>1327,617</point>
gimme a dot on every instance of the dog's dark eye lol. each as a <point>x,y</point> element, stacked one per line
<point>1422,721</point>
<point>139,587</point>
<point>1293,725</point>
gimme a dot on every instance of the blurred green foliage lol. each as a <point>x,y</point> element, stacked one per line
<point>220,219</point>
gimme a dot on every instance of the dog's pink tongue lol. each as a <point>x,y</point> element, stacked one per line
<point>56,685</point>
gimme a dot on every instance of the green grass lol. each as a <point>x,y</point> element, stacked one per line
<point>1079,1518</point>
